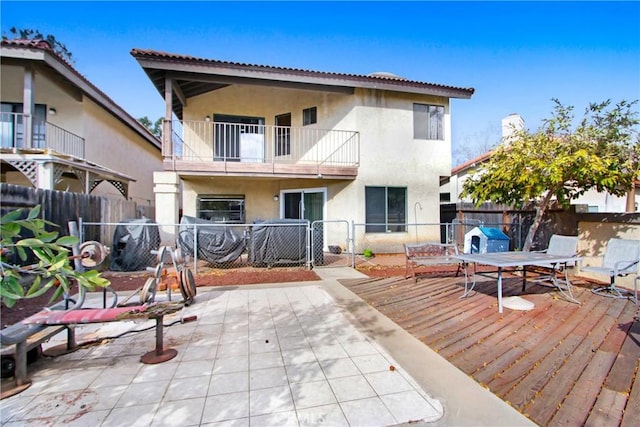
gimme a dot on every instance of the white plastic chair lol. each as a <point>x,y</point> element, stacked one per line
<point>621,258</point>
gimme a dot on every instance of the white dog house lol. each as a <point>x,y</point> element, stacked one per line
<point>483,239</point>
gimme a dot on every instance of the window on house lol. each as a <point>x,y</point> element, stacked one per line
<point>385,209</point>
<point>283,134</point>
<point>428,121</point>
<point>221,208</point>
<point>309,116</point>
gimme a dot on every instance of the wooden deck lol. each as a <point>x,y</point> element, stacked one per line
<point>559,364</point>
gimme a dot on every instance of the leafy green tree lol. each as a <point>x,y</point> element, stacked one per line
<point>155,127</point>
<point>52,269</point>
<point>561,161</point>
<point>30,34</point>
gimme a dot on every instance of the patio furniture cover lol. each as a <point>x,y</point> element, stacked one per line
<point>217,243</point>
<point>133,241</point>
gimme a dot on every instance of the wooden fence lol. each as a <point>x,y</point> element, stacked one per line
<point>60,207</point>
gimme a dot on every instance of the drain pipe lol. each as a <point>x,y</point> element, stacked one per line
<point>415,216</point>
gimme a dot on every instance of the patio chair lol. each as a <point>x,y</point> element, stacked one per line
<point>564,246</point>
<point>621,258</point>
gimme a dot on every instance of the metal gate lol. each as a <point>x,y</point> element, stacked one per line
<point>330,244</point>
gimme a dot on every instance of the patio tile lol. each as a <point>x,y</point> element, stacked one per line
<point>280,419</point>
<point>359,348</point>
<point>50,405</point>
<point>289,330</point>
<point>196,352</point>
<point>367,412</point>
<point>225,365</point>
<point>371,363</point>
<point>410,406</point>
<point>327,415</point>
<point>238,422</point>
<point>309,394</point>
<point>266,378</point>
<point>143,393</point>
<point>265,360</point>
<point>111,377</point>
<point>320,337</point>
<point>229,383</point>
<point>293,342</point>
<point>227,337</point>
<point>327,352</point>
<point>194,368</point>
<point>351,388</point>
<point>82,419</point>
<point>179,413</point>
<point>74,381</point>
<point>264,345</point>
<point>240,348</point>
<point>262,333</point>
<point>298,355</point>
<point>161,371</point>
<point>336,368</point>
<point>131,416</point>
<point>388,382</point>
<point>94,398</point>
<point>187,388</point>
<point>304,372</point>
<point>270,400</point>
<point>224,407</point>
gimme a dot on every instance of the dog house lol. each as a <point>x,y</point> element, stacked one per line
<point>484,239</point>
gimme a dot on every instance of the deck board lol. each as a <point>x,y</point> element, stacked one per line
<point>559,364</point>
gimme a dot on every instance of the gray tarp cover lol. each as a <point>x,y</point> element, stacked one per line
<point>278,241</point>
<point>217,244</point>
<point>133,242</point>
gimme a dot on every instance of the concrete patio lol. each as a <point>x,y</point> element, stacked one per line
<point>296,354</point>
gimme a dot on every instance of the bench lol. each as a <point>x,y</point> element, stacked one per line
<point>430,253</point>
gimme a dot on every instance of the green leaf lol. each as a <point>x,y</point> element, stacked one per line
<point>31,242</point>
<point>67,241</point>
<point>34,213</point>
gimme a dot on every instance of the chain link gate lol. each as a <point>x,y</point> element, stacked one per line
<point>330,243</point>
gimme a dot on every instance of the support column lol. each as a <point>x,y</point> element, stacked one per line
<point>46,176</point>
<point>27,108</point>
<point>167,194</point>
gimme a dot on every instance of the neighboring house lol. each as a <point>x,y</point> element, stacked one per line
<point>591,201</point>
<point>252,142</point>
<point>60,132</point>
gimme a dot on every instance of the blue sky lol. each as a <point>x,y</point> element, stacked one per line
<point>517,55</point>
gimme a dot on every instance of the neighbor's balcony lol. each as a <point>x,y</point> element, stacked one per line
<point>209,148</point>
<point>44,135</point>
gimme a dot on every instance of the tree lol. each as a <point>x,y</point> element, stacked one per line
<point>52,269</point>
<point>559,162</point>
<point>30,34</point>
<point>155,128</point>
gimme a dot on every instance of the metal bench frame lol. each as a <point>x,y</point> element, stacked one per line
<point>430,253</point>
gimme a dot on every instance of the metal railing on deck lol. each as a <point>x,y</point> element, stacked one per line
<point>43,135</point>
<point>233,142</point>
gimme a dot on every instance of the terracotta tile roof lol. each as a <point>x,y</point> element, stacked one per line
<point>387,77</point>
<point>471,163</point>
<point>114,108</point>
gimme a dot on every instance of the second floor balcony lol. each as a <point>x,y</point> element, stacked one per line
<point>42,135</point>
<point>217,148</point>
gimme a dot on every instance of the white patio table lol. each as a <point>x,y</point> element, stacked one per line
<point>502,260</point>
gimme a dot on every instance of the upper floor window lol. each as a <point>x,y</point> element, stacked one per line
<point>309,116</point>
<point>11,126</point>
<point>385,209</point>
<point>221,208</point>
<point>428,121</point>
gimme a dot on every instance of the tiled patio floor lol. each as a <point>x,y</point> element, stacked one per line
<point>277,356</point>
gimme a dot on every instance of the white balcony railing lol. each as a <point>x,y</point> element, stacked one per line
<point>199,141</point>
<point>43,135</point>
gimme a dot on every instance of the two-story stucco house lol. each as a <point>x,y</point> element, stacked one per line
<point>252,142</point>
<point>60,132</point>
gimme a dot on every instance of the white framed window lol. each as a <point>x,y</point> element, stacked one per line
<point>385,209</point>
<point>428,122</point>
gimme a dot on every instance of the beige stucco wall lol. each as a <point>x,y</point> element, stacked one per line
<point>389,155</point>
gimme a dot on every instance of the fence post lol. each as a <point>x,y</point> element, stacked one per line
<point>195,248</point>
<point>353,244</point>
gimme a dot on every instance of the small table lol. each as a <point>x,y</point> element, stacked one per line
<point>502,260</point>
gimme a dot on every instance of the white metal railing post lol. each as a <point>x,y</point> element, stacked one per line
<point>195,247</point>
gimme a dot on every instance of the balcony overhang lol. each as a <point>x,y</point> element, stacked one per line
<point>260,170</point>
